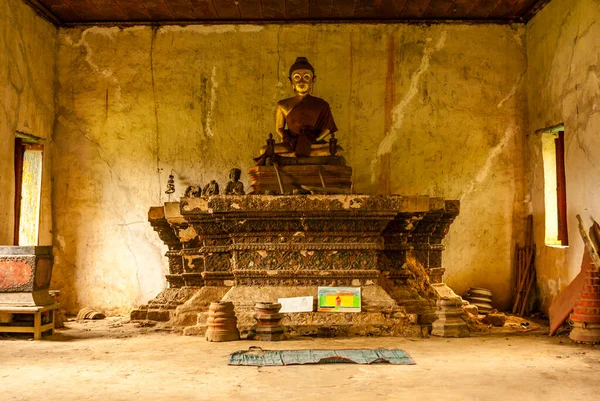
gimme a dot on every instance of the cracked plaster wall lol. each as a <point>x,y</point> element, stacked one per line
<point>434,110</point>
<point>563,49</point>
<point>27,73</point>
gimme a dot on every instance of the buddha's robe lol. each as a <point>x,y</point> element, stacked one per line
<point>304,124</point>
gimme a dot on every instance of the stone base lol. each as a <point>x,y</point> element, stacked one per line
<point>187,313</point>
<point>162,308</point>
<point>380,315</point>
<point>449,322</point>
<point>588,333</point>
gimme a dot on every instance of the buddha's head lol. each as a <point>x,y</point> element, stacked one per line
<point>235,174</point>
<point>302,76</point>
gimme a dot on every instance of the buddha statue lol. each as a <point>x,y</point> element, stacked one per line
<point>303,121</point>
<point>307,158</point>
<point>234,186</point>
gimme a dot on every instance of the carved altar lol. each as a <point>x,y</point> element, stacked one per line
<point>248,249</point>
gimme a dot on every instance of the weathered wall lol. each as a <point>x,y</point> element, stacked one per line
<point>563,49</point>
<point>434,110</point>
<point>27,72</point>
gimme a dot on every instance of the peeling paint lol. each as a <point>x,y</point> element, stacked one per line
<point>197,29</point>
<point>106,32</point>
<point>213,101</point>
<point>399,112</point>
<point>250,28</point>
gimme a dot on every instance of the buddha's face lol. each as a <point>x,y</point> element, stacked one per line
<point>302,81</point>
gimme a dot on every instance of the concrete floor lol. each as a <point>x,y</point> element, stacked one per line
<point>113,360</point>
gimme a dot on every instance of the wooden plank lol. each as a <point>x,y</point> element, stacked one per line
<point>502,11</point>
<point>320,9</point>
<point>17,329</point>
<point>250,9</point>
<point>53,3</point>
<point>391,9</point>
<point>182,9</point>
<point>595,235</point>
<point>590,247</point>
<point>415,9</point>
<point>564,303</point>
<point>204,9</point>
<point>296,9</point>
<point>439,9</point>
<point>528,13</point>
<point>367,8</point>
<point>110,10</point>
<point>561,189</point>
<point>85,9</point>
<point>157,10</point>
<point>483,9</point>
<point>133,9</point>
<point>462,7</point>
<point>344,8</point>
<point>521,6</point>
<point>227,9</point>
<point>37,326</point>
<point>28,309</point>
<point>19,154</point>
<point>273,9</point>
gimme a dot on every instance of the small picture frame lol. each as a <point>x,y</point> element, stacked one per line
<point>339,299</point>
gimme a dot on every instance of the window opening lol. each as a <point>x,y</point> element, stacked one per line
<point>555,193</point>
<point>28,188</point>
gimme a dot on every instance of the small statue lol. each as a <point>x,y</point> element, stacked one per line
<point>170,185</point>
<point>212,188</point>
<point>234,186</point>
<point>193,192</point>
<point>332,145</point>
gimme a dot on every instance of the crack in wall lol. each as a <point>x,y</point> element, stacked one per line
<point>487,166</point>
<point>399,111</point>
<point>65,121</point>
<point>513,90</point>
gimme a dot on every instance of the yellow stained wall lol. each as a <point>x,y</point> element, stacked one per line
<point>27,73</point>
<point>563,47</point>
<point>437,110</point>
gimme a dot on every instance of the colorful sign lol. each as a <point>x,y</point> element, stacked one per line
<point>339,299</point>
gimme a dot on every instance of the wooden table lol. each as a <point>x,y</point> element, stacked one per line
<point>37,329</point>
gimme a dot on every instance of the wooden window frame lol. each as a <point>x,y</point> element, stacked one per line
<point>21,145</point>
<point>561,189</point>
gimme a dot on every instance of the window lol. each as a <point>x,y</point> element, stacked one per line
<point>555,194</point>
<point>28,188</point>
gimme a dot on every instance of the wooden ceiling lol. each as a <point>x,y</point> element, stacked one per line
<point>122,12</point>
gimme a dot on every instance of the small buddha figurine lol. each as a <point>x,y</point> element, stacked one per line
<point>302,121</point>
<point>212,188</point>
<point>234,186</point>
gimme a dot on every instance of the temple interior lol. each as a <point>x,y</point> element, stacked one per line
<point>463,128</point>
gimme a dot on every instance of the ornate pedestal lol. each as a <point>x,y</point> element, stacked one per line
<point>25,273</point>
<point>258,248</point>
<point>167,222</point>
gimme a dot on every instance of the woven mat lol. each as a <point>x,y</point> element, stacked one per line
<point>256,356</point>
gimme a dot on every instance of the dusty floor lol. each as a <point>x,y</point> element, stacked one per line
<point>114,360</point>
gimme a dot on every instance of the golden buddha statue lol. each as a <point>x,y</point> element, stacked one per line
<point>303,121</point>
<point>308,159</point>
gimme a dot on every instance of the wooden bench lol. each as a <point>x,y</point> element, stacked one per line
<point>37,311</point>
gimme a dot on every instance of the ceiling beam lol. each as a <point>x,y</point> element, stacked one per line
<point>43,11</point>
